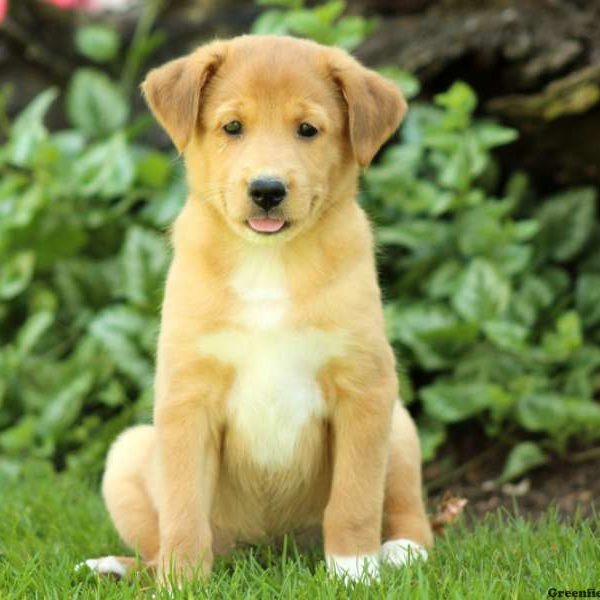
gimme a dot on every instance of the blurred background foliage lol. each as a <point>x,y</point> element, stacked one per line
<point>492,290</point>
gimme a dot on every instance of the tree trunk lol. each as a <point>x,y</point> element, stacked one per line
<point>534,63</point>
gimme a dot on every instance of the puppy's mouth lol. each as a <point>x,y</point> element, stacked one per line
<point>267,225</point>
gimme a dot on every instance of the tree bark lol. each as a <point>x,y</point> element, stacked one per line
<point>534,63</point>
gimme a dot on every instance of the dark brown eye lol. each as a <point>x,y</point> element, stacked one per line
<point>307,130</point>
<point>233,128</point>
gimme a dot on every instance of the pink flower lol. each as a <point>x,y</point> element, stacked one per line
<point>68,4</point>
<point>89,5</point>
<point>3,9</point>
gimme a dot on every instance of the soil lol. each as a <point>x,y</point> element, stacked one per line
<point>573,488</point>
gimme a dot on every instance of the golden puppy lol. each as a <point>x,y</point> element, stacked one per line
<point>276,396</point>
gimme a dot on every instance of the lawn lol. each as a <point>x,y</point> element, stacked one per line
<point>50,522</point>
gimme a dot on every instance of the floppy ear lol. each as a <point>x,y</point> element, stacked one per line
<point>174,90</point>
<point>376,106</point>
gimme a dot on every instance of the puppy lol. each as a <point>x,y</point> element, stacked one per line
<point>276,401</point>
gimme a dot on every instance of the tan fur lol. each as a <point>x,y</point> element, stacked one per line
<point>303,304</point>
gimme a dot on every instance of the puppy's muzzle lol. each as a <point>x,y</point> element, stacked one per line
<point>267,192</point>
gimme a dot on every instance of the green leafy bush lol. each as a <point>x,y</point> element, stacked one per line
<point>493,295</point>
<point>82,262</point>
<point>324,23</point>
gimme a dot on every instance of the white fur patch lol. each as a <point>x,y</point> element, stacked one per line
<point>398,553</point>
<point>275,392</point>
<point>354,568</point>
<point>260,283</point>
<point>107,565</point>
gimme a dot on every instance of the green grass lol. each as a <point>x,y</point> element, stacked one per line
<point>48,523</point>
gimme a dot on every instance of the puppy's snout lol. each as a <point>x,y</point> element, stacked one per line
<point>267,192</point>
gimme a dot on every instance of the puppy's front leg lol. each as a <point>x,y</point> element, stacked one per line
<point>352,520</point>
<point>187,460</point>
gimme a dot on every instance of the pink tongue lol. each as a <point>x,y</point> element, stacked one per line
<point>266,225</point>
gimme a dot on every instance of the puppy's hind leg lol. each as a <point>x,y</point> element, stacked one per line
<point>128,500</point>
<point>406,527</point>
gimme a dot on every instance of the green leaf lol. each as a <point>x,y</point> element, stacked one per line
<point>583,416</point>
<point>587,295</point>
<point>480,232</point>
<point>491,134</point>
<point>351,31</point>
<point>506,335</point>
<point>405,323</point>
<point>452,402</point>
<point>15,274</point>
<point>144,260</point>
<point>566,338</point>
<point>70,143</point>
<point>307,24</point>
<point>524,230</point>
<point>97,42</point>
<point>566,223</point>
<point>483,294</point>
<point>166,204</point>
<point>95,104</point>
<point>460,98</point>
<point>63,409</point>
<point>455,171</point>
<point>28,133</point>
<point>432,332</point>
<point>416,235</point>
<point>518,189</point>
<point>114,394</point>
<point>513,259</point>
<point>19,437</point>
<point>153,169</point>
<point>407,82</point>
<point>522,458</point>
<point>484,362</point>
<point>558,415</point>
<point>444,281</point>
<point>82,284</point>
<point>271,22</point>
<point>534,295</point>
<point>329,11</point>
<point>289,4</point>
<point>120,330</point>
<point>32,331</point>
<point>432,434</point>
<point>106,170</point>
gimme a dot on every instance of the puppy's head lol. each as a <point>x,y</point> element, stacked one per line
<point>273,129</point>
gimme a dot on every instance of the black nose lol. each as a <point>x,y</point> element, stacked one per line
<point>267,192</point>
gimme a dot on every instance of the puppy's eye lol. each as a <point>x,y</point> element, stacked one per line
<point>307,130</point>
<point>233,128</point>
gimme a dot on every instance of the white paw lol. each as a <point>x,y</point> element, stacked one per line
<point>354,568</point>
<point>398,553</point>
<point>107,565</point>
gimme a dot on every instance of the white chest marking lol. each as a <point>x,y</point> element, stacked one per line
<point>260,284</point>
<point>275,392</point>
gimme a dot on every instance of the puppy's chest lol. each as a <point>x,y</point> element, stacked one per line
<point>275,393</point>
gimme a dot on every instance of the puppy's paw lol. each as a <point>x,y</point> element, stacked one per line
<point>398,553</point>
<point>354,568</point>
<point>107,565</point>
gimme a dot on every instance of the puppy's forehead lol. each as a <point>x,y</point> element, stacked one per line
<point>267,68</point>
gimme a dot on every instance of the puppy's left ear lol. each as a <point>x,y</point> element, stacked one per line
<point>174,91</point>
<point>376,106</point>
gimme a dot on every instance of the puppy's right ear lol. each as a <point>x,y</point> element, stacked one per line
<point>174,91</point>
